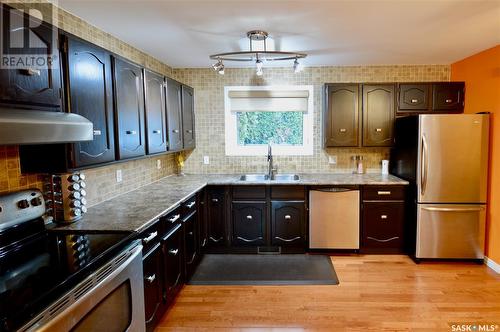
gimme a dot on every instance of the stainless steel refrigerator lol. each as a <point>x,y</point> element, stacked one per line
<point>445,158</point>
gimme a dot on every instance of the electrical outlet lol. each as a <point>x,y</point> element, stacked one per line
<point>158,164</point>
<point>332,160</point>
<point>206,160</point>
<point>119,175</point>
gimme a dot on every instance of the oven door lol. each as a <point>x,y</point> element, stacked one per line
<point>111,299</point>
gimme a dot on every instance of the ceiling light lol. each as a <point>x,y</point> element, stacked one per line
<point>219,67</point>
<point>259,64</point>
<point>252,55</point>
<point>297,67</point>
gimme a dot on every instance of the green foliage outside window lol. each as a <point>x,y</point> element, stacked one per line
<point>257,128</point>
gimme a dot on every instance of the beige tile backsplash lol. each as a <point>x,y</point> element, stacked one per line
<point>209,109</point>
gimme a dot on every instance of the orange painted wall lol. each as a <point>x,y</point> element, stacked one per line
<point>481,73</point>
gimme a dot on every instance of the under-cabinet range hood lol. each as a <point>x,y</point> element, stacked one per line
<point>42,127</point>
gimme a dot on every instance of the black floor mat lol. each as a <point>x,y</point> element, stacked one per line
<point>219,269</point>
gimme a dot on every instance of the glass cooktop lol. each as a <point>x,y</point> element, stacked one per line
<point>42,268</point>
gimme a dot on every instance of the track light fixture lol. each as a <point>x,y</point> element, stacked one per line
<point>259,64</point>
<point>297,67</point>
<point>219,67</point>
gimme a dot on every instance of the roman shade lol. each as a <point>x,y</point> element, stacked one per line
<point>269,100</point>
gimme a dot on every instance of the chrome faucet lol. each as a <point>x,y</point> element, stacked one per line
<point>271,172</point>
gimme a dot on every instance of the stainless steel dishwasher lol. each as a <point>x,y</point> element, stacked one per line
<point>334,218</point>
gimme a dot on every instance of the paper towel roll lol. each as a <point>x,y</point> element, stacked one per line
<point>385,166</point>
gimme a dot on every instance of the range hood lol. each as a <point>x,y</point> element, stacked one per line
<point>42,127</point>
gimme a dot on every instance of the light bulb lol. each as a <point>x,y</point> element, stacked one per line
<point>219,67</point>
<point>259,64</point>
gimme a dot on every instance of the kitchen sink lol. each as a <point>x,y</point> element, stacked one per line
<point>265,177</point>
<point>286,177</point>
<point>254,177</point>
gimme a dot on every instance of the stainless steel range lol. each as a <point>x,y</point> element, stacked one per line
<point>55,280</point>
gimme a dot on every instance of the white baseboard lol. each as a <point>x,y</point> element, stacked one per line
<point>492,264</point>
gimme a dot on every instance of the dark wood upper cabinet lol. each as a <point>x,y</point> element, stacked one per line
<point>154,91</point>
<point>129,108</point>
<point>37,87</point>
<point>414,97</point>
<point>174,115</point>
<point>89,93</point>
<point>248,223</point>
<point>378,114</point>
<point>448,96</point>
<point>341,115</point>
<point>188,117</point>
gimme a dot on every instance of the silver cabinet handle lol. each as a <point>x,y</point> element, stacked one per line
<point>189,131</point>
<point>97,132</point>
<point>471,209</point>
<point>174,218</point>
<point>215,200</point>
<point>249,217</point>
<point>190,233</point>
<point>383,216</point>
<point>150,237</point>
<point>175,131</point>
<point>173,252</point>
<point>151,278</point>
<point>131,132</point>
<point>378,130</point>
<point>288,217</point>
<point>382,240</point>
<point>381,192</point>
<point>190,205</point>
<point>448,101</point>
<point>204,243</point>
<point>157,131</point>
<point>342,130</point>
<point>414,101</point>
<point>287,240</point>
<point>423,170</point>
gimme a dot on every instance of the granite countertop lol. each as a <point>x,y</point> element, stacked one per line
<point>136,210</point>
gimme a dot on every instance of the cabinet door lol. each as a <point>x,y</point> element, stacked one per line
<point>152,286</point>
<point>413,97</point>
<point>89,93</point>
<point>288,223</point>
<point>383,226</point>
<point>154,91</point>
<point>248,223</point>
<point>341,117</point>
<point>129,109</point>
<point>378,114</point>
<point>191,244</point>
<point>173,263</point>
<point>216,218</point>
<point>202,221</point>
<point>174,116</point>
<point>37,86</point>
<point>448,96</point>
<point>188,117</point>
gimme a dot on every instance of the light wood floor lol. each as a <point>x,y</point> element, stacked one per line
<point>376,293</point>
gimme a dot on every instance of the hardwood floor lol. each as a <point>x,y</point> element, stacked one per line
<point>376,293</point>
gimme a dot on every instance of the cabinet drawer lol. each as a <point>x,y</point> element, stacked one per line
<point>288,192</point>
<point>189,205</point>
<point>171,220</point>
<point>385,193</point>
<point>150,236</point>
<point>383,225</point>
<point>249,192</point>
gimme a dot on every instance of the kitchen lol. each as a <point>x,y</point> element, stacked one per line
<point>128,162</point>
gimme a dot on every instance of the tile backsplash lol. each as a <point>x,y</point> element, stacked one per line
<point>209,112</point>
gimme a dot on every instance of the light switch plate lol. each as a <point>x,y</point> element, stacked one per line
<point>332,160</point>
<point>206,160</point>
<point>158,164</point>
<point>119,175</point>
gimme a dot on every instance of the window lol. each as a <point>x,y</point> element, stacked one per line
<point>258,115</point>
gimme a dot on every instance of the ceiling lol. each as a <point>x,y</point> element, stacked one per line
<point>183,33</point>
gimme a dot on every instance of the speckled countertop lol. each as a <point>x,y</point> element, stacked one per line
<point>138,209</point>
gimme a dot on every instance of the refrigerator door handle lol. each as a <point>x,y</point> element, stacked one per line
<point>469,209</point>
<point>423,166</point>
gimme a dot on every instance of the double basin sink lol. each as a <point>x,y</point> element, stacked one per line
<point>265,177</point>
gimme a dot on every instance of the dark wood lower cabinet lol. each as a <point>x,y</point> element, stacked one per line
<point>152,286</point>
<point>248,223</point>
<point>288,226</point>
<point>191,258</point>
<point>173,263</point>
<point>216,222</point>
